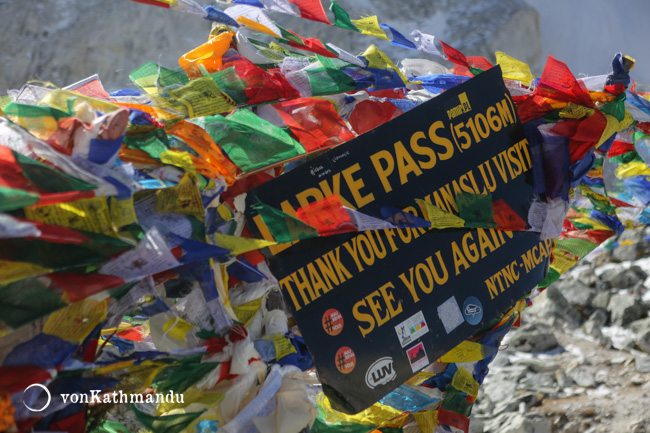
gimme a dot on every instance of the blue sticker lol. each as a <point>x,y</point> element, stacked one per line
<point>472,310</point>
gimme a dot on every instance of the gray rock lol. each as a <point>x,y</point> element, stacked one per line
<point>601,300</point>
<point>633,244</point>
<point>643,341</point>
<point>476,425</point>
<point>518,423</point>
<point>540,382</point>
<point>640,325</point>
<point>553,307</point>
<point>520,401</point>
<point>625,308</point>
<point>642,330</point>
<point>642,363</point>
<point>563,381</point>
<point>501,384</point>
<point>596,321</point>
<point>640,426</point>
<point>588,277</point>
<point>579,295</point>
<point>533,338</point>
<point>582,377</point>
<point>625,253</point>
<point>624,278</point>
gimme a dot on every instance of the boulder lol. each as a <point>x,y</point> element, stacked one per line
<point>623,278</point>
<point>533,338</point>
<point>582,377</point>
<point>552,307</point>
<point>601,300</point>
<point>595,323</point>
<point>625,308</point>
<point>579,295</point>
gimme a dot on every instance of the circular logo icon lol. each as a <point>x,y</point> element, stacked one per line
<point>473,310</point>
<point>333,322</point>
<point>47,391</point>
<point>345,360</point>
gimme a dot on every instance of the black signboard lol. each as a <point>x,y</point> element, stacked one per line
<point>375,307</point>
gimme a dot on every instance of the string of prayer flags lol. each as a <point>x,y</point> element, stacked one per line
<point>440,219</point>
<point>137,260</point>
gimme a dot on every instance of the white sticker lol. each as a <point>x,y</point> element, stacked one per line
<point>450,314</point>
<point>411,329</point>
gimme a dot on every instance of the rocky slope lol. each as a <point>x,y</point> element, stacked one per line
<point>581,360</point>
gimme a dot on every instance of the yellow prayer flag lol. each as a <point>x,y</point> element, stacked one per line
<point>122,211</point>
<point>89,214</point>
<point>439,218</point>
<point>377,59</point>
<point>238,245</point>
<point>247,311</point>
<point>177,328</point>
<point>466,351</point>
<point>178,159</point>
<point>514,69</point>
<point>370,26</point>
<point>283,346</point>
<point>256,26</point>
<point>76,321</point>
<point>16,271</point>
<point>562,261</point>
<point>427,420</point>
<point>184,198</point>
<point>201,97</point>
<point>465,382</point>
<point>635,168</point>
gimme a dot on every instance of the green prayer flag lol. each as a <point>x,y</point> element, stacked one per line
<point>27,300</point>
<point>181,376</point>
<point>615,107</point>
<point>154,143</point>
<point>576,247</point>
<point>476,210</point>
<point>47,178</point>
<point>342,18</point>
<point>106,426</point>
<point>326,81</point>
<point>250,141</point>
<point>283,227</point>
<point>12,198</point>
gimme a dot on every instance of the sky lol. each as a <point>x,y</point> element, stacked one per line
<point>586,34</point>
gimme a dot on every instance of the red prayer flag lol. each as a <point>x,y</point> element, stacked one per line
<point>369,114</point>
<point>557,82</point>
<point>327,215</point>
<point>314,122</point>
<point>453,55</point>
<point>506,218</point>
<point>620,148</point>
<point>311,10</point>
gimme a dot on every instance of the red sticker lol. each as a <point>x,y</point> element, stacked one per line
<point>333,322</point>
<point>345,360</point>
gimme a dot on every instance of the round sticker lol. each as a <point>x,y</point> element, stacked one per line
<point>333,322</point>
<point>345,360</point>
<point>473,310</point>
